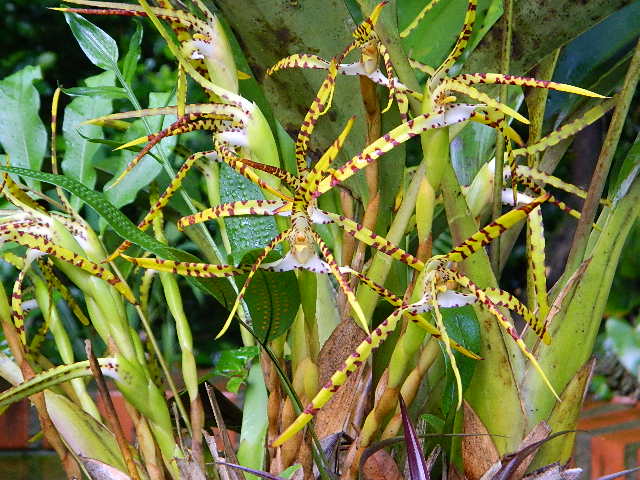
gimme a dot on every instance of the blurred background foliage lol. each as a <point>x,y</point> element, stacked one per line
<point>596,59</point>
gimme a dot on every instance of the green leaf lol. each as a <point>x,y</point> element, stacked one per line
<point>624,340</point>
<point>235,361</point>
<point>97,45</point>
<point>247,232</point>
<point>254,422</point>
<point>234,384</point>
<point>539,27</point>
<point>51,377</point>
<point>471,149</point>
<point>130,61</point>
<point>441,26</point>
<point>148,168</point>
<point>79,155</point>
<point>289,471</point>
<point>219,288</point>
<point>105,92</point>
<point>462,325</point>
<point>273,299</point>
<point>22,133</point>
<point>269,34</point>
<point>83,433</point>
<point>436,423</point>
<point>597,60</point>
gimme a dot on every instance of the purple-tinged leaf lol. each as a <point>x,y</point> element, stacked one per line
<point>417,463</point>
<point>511,462</point>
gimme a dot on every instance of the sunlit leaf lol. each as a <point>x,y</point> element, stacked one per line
<point>79,155</point>
<point>22,133</point>
<point>97,45</point>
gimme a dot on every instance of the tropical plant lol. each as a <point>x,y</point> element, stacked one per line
<point>361,202</point>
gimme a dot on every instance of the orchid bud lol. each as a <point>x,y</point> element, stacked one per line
<point>215,52</point>
<point>480,191</point>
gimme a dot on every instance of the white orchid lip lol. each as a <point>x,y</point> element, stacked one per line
<point>289,262</point>
<point>237,137</point>
<point>522,198</point>
<point>447,299</point>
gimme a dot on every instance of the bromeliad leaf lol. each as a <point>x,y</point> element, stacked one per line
<point>97,45</point>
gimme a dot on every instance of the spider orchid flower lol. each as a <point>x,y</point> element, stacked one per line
<point>442,89</point>
<point>205,47</point>
<point>215,52</point>
<point>361,68</point>
<point>440,283</point>
<point>64,239</point>
<point>202,41</point>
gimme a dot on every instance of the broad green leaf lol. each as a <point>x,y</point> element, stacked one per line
<point>624,340</point>
<point>475,144</point>
<point>471,149</point>
<point>22,133</point>
<point>269,34</point>
<point>539,27</point>
<point>235,361</point>
<point>130,60</point>
<point>105,92</point>
<point>597,59</point>
<point>273,299</point>
<point>436,34</point>
<point>148,168</point>
<point>234,364</point>
<point>390,176</point>
<point>79,155</point>
<point>217,287</point>
<point>462,325</point>
<point>246,232</point>
<point>97,45</point>
<point>234,384</point>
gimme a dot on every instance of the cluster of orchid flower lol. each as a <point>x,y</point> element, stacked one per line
<point>242,140</point>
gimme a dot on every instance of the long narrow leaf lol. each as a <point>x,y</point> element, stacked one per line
<point>97,45</point>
